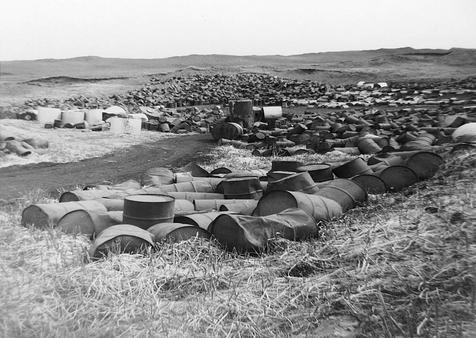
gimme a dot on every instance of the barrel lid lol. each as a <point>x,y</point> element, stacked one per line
<point>149,198</point>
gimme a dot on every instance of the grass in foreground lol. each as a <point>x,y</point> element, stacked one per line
<point>402,265</point>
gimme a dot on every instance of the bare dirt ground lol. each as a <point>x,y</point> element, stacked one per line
<point>123,164</point>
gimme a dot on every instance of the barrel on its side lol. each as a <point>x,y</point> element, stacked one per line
<point>121,238</point>
<point>176,232</point>
<point>398,177</point>
<point>44,215</point>
<point>252,234</point>
<point>319,207</point>
<point>158,177</point>
<point>346,192</point>
<point>352,168</point>
<point>89,223</point>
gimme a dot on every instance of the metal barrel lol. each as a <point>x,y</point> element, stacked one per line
<point>121,238</point>
<point>243,110</point>
<point>244,207</point>
<point>345,192</point>
<point>242,188</point>
<point>44,215</point>
<point>397,177</point>
<point>190,196</point>
<point>280,165</point>
<point>423,141</point>
<point>201,220</point>
<point>297,182</point>
<point>192,186</point>
<point>227,130</point>
<point>176,232</point>
<point>86,195</point>
<point>320,172</point>
<point>252,234</point>
<point>371,183</point>
<point>89,223</point>
<point>146,210</point>
<point>183,207</point>
<point>158,176</point>
<point>319,207</point>
<point>277,175</point>
<point>352,168</point>
<point>112,204</point>
<point>201,205</point>
<point>368,146</point>
<point>425,164</point>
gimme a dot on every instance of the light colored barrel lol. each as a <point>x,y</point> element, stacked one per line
<point>319,207</point>
<point>44,215</point>
<point>85,195</point>
<point>346,192</point>
<point>89,223</point>
<point>191,196</point>
<point>245,207</point>
<point>147,210</point>
<point>48,115</point>
<point>192,186</point>
<point>72,116</point>
<point>201,205</point>
<point>158,177</point>
<point>93,116</point>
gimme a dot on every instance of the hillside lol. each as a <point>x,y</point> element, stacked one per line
<point>109,75</point>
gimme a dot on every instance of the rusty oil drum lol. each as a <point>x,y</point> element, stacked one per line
<point>147,210</point>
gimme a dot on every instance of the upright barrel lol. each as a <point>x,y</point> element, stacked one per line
<point>147,210</point>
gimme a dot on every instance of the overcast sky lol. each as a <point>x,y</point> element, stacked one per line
<point>32,29</point>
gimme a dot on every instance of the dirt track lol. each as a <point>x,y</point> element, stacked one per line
<point>125,164</point>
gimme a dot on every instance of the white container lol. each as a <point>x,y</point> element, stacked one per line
<point>118,125</point>
<point>133,126</point>
<point>72,116</point>
<point>116,110</point>
<point>94,116</point>
<point>48,115</point>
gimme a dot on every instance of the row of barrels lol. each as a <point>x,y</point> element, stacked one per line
<point>352,132</point>
<point>289,201</point>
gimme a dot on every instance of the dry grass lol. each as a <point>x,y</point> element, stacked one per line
<point>70,145</point>
<point>401,266</point>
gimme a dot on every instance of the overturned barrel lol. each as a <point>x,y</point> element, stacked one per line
<point>121,238</point>
<point>252,233</point>
<point>89,223</point>
<point>176,232</point>
<point>44,215</point>
<point>319,207</point>
<point>352,168</point>
<point>398,177</point>
<point>425,164</point>
<point>158,176</point>
<point>371,183</point>
<point>346,192</point>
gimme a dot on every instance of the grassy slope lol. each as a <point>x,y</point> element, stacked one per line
<point>402,265</point>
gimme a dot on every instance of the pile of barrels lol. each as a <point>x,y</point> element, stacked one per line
<point>268,90</point>
<point>241,210</point>
<point>353,132</point>
<point>10,143</point>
